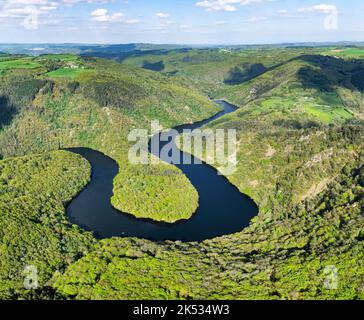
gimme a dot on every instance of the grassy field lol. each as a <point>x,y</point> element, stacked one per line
<point>57,57</point>
<point>352,53</point>
<point>327,114</point>
<point>25,63</point>
<point>67,73</point>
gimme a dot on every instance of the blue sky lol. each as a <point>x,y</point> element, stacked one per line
<point>180,21</point>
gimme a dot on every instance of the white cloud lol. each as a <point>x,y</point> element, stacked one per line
<point>73,2</point>
<point>27,12</point>
<point>132,21</point>
<point>185,26</point>
<point>103,27</point>
<point>31,21</point>
<point>256,19</point>
<point>99,12</point>
<point>220,23</point>
<point>102,15</point>
<point>48,8</point>
<point>283,11</point>
<point>11,3</point>
<point>321,8</point>
<point>163,15</point>
<point>164,25</point>
<point>31,14</point>
<point>331,21</point>
<point>224,5</point>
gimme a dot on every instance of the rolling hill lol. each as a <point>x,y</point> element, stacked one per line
<point>300,157</point>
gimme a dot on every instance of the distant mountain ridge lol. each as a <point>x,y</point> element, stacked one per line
<point>83,48</point>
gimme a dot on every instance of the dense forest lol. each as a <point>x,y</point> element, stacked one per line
<point>300,156</point>
<point>64,101</point>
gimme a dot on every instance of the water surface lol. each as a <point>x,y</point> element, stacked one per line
<point>222,208</point>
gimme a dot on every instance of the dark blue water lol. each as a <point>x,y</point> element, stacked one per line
<point>222,208</point>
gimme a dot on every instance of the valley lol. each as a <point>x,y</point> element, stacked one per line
<point>92,208</point>
<point>299,128</point>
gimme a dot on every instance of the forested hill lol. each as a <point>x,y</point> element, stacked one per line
<point>300,156</point>
<point>59,101</point>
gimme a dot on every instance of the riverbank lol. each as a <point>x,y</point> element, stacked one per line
<point>93,211</point>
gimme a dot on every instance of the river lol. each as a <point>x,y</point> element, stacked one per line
<point>222,210</point>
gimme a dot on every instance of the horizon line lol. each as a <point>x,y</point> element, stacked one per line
<point>182,44</point>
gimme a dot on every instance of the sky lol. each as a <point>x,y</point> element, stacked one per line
<point>180,21</point>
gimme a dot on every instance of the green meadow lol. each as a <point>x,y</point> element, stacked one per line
<point>67,73</point>
<point>19,64</point>
<point>355,53</point>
